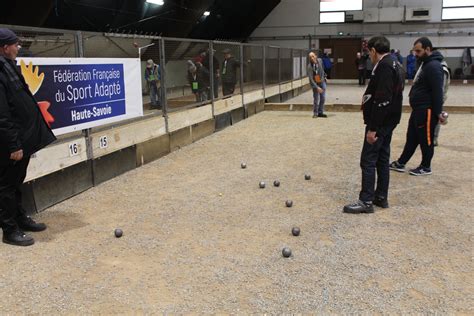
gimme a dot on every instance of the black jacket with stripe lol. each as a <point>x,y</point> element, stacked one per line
<point>382,101</point>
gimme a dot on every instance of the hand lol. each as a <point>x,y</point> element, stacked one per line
<point>320,90</point>
<point>17,155</point>
<point>371,137</point>
<point>442,119</point>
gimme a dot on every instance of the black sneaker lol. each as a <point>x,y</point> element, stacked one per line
<point>315,116</point>
<point>322,115</point>
<point>28,224</point>
<point>396,166</point>
<point>18,238</point>
<point>381,202</point>
<point>420,171</point>
<point>359,207</point>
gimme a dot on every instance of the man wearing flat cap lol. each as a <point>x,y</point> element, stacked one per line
<point>23,131</point>
<point>229,72</point>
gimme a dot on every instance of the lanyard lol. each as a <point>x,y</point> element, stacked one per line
<point>373,71</point>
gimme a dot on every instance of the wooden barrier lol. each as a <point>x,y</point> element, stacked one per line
<point>109,141</point>
<point>182,119</point>
<point>227,105</point>
<point>285,87</point>
<point>253,96</point>
<point>57,157</point>
<point>272,91</point>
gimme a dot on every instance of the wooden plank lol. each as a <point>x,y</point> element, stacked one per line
<point>182,119</point>
<point>109,141</point>
<point>296,84</point>
<point>305,81</point>
<point>57,157</point>
<point>227,105</point>
<point>285,87</point>
<point>253,96</point>
<point>272,91</point>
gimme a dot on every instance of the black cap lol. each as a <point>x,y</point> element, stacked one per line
<point>7,37</point>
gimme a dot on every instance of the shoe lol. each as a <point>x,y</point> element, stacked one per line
<point>28,224</point>
<point>396,166</point>
<point>435,142</point>
<point>18,238</point>
<point>322,115</point>
<point>381,202</point>
<point>315,116</point>
<point>420,171</point>
<point>359,207</point>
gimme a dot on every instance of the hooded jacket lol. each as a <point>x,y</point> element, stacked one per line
<point>427,89</point>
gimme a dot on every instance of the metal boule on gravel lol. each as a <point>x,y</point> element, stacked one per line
<point>289,203</point>
<point>243,165</point>
<point>307,177</point>
<point>296,231</point>
<point>261,185</point>
<point>118,232</point>
<point>276,183</point>
<point>286,252</point>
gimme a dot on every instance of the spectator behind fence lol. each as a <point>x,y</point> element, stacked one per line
<point>361,64</point>
<point>153,79</point>
<point>198,77</point>
<point>205,57</point>
<point>411,65</point>
<point>327,65</point>
<point>229,72</point>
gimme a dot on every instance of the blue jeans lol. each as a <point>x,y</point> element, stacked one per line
<point>375,160</point>
<point>319,99</point>
<point>155,97</point>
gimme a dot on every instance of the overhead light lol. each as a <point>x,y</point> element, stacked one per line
<point>207,13</point>
<point>157,2</point>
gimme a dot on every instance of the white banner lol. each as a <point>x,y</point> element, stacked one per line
<point>79,93</point>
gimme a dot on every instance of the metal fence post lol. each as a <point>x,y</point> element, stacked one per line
<point>212,74</point>
<point>241,47</point>
<point>264,75</point>
<point>164,98</point>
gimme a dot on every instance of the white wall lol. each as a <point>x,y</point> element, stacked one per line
<point>292,19</point>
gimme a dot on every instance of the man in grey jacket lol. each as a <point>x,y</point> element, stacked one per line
<point>317,79</point>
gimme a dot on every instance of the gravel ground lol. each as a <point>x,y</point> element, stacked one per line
<point>200,236</point>
<point>352,94</point>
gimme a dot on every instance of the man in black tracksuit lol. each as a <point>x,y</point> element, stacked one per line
<point>426,100</point>
<point>23,131</point>
<point>382,108</point>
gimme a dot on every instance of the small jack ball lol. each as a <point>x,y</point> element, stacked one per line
<point>295,231</point>
<point>307,177</point>
<point>118,233</point>
<point>289,203</point>
<point>262,185</point>
<point>276,183</point>
<point>286,252</point>
<point>243,165</point>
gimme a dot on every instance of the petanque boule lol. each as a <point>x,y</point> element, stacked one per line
<point>243,165</point>
<point>289,203</point>
<point>118,232</point>
<point>296,231</point>
<point>307,177</point>
<point>261,185</point>
<point>286,252</point>
<point>276,183</point>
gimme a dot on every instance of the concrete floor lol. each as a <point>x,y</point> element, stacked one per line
<point>458,95</point>
<point>201,237</point>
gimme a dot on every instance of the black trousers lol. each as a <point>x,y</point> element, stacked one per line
<point>375,160</point>
<point>11,179</point>
<point>362,76</point>
<point>421,129</point>
<point>228,88</point>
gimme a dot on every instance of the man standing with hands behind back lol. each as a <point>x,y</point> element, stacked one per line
<point>23,131</point>
<point>382,108</point>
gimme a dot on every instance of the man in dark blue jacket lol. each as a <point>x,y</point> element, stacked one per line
<point>23,131</point>
<point>382,108</point>
<point>426,100</point>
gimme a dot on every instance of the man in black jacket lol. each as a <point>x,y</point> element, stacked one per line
<point>426,101</point>
<point>382,108</point>
<point>229,72</point>
<point>23,131</point>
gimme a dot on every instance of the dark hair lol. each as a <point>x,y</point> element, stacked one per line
<point>425,42</point>
<point>380,43</point>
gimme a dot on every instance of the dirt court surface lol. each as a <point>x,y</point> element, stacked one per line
<point>200,236</point>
